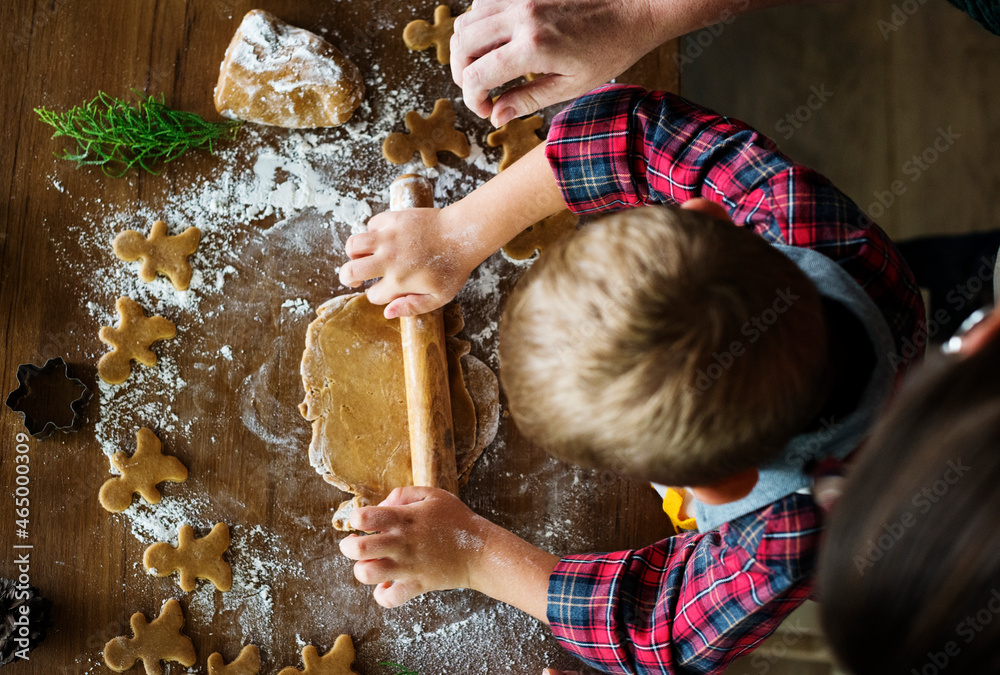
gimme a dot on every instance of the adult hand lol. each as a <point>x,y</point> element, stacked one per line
<point>576,45</point>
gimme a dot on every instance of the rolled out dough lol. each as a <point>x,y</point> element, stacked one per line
<point>355,397</point>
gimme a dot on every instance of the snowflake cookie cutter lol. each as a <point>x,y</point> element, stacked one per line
<point>48,398</point>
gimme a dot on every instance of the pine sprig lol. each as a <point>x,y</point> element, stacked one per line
<point>398,669</point>
<point>110,132</point>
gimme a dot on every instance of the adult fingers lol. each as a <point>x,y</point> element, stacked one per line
<point>530,97</point>
<point>353,272</point>
<point>412,305</point>
<point>492,70</point>
<point>462,45</point>
<point>476,40</point>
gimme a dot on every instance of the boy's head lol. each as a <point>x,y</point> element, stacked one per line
<point>664,344</point>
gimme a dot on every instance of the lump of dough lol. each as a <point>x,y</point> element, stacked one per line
<point>355,397</point>
<point>285,76</point>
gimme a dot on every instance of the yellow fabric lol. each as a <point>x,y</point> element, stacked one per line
<point>673,502</point>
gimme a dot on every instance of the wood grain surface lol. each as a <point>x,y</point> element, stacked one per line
<point>230,413</point>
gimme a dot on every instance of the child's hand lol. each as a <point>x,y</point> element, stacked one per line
<point>425,540</point>
<point>421,256</point>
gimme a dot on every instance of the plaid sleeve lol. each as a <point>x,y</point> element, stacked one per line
<point>691,603</point>
<point>621,146</point>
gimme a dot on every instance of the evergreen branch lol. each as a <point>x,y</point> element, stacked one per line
<point>109,132</point>
<point>398,669</point>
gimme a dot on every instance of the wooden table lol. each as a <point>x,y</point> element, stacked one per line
<point>223,399</point>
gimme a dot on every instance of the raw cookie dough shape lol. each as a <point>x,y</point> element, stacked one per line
<point>159,252</point>
<point>337,661</point>
<point>130,341</point>
<point>542,234</point>
<point>428,136</point>
<point>193,558</point>
<point>140,473</point>
<point>277,74</point>
<point>160,640</point>
<point>355,397</point>
<point>517,138</point>
<point>247,663</point>
<point>419,35</point>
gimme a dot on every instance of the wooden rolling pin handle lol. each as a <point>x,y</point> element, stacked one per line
<point>425,365</point>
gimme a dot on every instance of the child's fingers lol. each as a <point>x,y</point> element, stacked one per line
<point>360,244</point>
<point>380,221</point>
<point>410,494</point>
<point>384,292</point>
<point>372,572</point>
<point>412,305</point>
<point>373,518</point>
<point>353,272</point>
<point>395,594</point>
<point>369,547</point>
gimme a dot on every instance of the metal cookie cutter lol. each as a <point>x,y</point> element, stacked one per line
<point>48,398</point>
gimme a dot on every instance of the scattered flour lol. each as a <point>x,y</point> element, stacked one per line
<point>298,306</point>
<point>275,209</point>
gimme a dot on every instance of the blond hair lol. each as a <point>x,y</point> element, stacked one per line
<point>664,344</point>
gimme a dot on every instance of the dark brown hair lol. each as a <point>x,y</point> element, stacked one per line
<point>909,575</point>
<point>663,344</point>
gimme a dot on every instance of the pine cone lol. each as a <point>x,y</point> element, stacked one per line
<point>11,601</point>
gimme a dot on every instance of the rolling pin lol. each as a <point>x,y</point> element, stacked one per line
<point>425,366</point>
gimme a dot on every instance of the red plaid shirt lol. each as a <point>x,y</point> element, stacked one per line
<point>690,603</point>
<point>621,146</point>
<point>695,602</point>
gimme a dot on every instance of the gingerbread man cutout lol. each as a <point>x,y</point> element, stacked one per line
<point>517,137</point>
<point>542,234</point>
<point>337,661</point>
<point>159,252</point>
<point>140,473</point>
<point>247,663</point>
<point>428,135</point>
<point>419,35</point>
<point>193,558</point>
<point>160,640</point>
<point>130,341</point>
